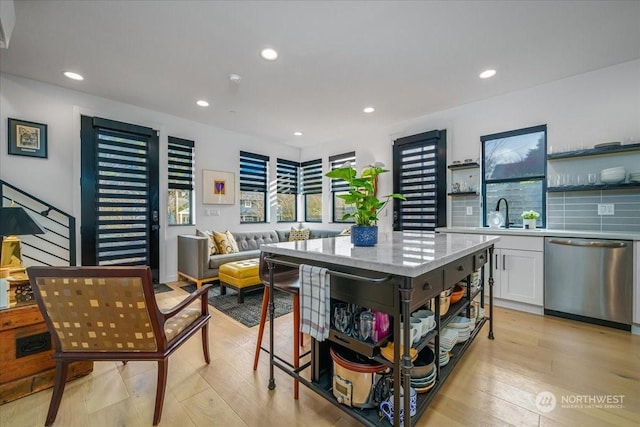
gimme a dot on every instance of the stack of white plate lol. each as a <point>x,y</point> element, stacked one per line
<point>475,279</point>
<point>444,358</point>
<point>448,338</point>
<point>464,325</point>
<point>634,176</point>
<point>613,175</point>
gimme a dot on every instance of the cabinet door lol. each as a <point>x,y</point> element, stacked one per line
<point>497,269</point>
<point>521,276</point>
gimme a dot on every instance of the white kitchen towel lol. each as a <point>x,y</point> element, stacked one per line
<point>314,301</point>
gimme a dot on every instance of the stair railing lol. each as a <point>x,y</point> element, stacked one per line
<point>57,247</point>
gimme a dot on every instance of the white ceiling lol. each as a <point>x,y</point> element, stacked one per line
<point>405,58</point>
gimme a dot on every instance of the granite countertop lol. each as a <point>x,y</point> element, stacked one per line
<point>401,253</point>
<point>542,232</point>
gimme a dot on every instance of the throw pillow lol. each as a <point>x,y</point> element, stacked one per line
<point>226,242</point>
<point>299,234</point>
<point>213,247</point>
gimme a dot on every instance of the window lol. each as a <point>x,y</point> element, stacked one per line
<point>287,190</point>
<point>338,186</point>
<point>420,174</point>
<point>514,167</point>
<point>311,178</point>
<point>253,187</point>
<point>180,164</point>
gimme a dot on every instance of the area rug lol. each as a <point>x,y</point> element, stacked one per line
<point>247,313</point>
<point>159,288</point>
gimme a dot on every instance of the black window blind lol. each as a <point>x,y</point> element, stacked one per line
<point>253,172</point>
<point>180,162</point>
<point>311,177</point>
<point>287,179</point>
<point>335,162</point>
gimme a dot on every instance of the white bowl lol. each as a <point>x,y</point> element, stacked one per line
<point>611,180</point>
<point>620,169</point>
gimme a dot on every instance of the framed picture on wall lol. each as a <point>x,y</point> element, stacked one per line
<point>27,138</point>
<point>219,188</point>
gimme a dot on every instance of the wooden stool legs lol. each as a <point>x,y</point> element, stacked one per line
<point>297,335</point>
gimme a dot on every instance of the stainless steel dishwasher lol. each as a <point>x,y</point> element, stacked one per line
<point>589,280</point>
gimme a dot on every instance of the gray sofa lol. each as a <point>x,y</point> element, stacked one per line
<point>195,264</point>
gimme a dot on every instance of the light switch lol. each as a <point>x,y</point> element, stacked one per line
<point>469,210</point>
<point>606,209</point>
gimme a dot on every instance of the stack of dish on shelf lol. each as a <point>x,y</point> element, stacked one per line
<point>448,339</point>
<point>608,144</point>
<point>423,372</point>
<point>458,292</point>
<point>475,280</point>
<point>464,326</point>
<point>613,175</point>
<point>634,176</point>
<point>387,352</point>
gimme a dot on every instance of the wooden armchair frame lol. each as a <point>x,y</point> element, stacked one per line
<point>165,330</point>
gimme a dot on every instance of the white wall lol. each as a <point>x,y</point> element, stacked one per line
<point>599,106</point>
<point>56,179</point>
<point>602,105</point>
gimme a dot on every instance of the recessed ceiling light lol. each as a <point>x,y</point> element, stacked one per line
<point>73,76</point>
<point>297,133</point>
<point>202,103</point>
<point>369,110</point>
<point>269,54</point>
<point>487,74</point>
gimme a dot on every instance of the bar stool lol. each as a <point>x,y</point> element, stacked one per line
<point>286,280</point>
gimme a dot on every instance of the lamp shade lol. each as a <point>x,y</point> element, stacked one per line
<point>16,221</point>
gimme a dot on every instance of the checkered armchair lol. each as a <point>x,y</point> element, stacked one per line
<point>110,313</point>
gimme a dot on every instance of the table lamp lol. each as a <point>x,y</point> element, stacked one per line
<point>15,221</point>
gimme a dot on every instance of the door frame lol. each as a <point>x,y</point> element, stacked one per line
<point>88,127</point>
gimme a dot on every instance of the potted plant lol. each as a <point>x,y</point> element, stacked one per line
<point>362,195</point>
<point>529,219</point>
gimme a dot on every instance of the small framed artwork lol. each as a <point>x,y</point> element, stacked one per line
<point>27,138</point>
<point>219,188</point>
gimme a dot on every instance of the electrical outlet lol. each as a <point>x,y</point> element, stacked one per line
<point>606,209</point>
<point>469,210</point>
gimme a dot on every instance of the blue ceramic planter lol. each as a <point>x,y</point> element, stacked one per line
<point>364,235</point>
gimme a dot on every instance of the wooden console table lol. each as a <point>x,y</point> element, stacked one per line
<point>26,366</point>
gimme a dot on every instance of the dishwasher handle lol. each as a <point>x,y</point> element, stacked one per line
<point>590,244</point>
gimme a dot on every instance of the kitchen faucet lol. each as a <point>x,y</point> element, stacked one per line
<point>506,204</point>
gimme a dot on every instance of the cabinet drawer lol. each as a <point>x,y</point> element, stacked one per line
<point>480,259</point>
<point>426,287</point>
<point>456,271</point>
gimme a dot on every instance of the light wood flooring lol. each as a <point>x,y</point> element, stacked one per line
<point>495,384</point>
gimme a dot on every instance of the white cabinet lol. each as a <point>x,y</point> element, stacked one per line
<point>636,283</point>
<point>519,270</point>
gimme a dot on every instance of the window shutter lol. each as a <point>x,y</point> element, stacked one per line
<point>180,162</point>
<point>253,172</point>
<point>420,175</point>
<point>287,171</point>
<point>311,172</point>
<point>337,161</point>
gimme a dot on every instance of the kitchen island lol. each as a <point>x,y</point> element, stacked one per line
<point>398,276</point>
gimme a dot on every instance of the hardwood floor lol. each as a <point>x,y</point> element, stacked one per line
<point>495,384</point>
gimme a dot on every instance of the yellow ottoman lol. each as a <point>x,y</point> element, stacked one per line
<point>241,276</point>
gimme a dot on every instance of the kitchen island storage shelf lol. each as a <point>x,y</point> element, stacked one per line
<point>406,287</point>
<point>594,152</point>
<point>371,417</point>
<point>464,166</point>
<point>595,187</point>
<point>466,193</point>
